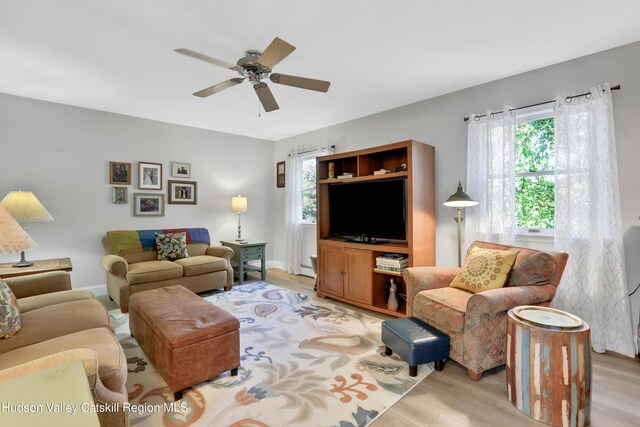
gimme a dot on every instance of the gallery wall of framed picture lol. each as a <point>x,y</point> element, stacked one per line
<point>150,178</point>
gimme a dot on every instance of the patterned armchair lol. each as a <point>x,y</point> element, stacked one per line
<point>477,323</point>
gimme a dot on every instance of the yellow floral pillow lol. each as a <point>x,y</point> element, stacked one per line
<point>484,269</point>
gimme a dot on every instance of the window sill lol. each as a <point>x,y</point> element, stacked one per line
<point>534,237</point>
<point>308,224</point>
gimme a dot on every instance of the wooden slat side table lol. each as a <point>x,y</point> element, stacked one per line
<point>40,266</point>
<point>549,370</point>
<point>245,252</point>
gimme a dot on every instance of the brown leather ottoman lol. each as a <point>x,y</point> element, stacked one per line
<point>187,339</point>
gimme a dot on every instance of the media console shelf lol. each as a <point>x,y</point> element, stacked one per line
<point>347,270</point>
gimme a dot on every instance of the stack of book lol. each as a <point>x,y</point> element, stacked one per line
<point>345,175</point>
<point>392,262</point>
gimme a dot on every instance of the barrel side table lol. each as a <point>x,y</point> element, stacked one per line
<point>549,366</point>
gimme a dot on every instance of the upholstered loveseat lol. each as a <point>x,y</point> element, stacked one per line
<point>60,325</point>
<point>132,264</point>
<point>476,323</point>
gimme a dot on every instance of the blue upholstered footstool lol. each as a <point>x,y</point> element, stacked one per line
<point>416,342</point>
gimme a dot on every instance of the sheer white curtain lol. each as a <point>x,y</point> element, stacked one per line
<point>293,213</point>
<point>491,178</point>
<point>588,223</point>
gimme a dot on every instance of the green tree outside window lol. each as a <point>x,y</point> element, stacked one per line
<point>309,190</point>
<point>535,181</point>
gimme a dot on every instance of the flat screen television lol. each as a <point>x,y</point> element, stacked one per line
<point>369,209</point>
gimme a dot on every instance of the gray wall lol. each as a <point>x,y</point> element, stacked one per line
<point>438,121</point>
<point>62,154</point>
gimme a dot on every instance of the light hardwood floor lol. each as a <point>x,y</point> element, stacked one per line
<point>449,398</point>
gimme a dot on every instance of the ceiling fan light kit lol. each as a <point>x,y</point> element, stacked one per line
<point>256,67</point>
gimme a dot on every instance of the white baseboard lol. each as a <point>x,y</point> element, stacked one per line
<point>276,264</point>
<point>305,271</point>
<point>97,290</point>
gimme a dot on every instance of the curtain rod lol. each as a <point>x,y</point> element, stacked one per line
<point>311,150</point>
<point>616,87</point>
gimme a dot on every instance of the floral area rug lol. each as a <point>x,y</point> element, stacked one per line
<point>304,362</point>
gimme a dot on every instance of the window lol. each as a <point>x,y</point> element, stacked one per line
<point>534,172</point>
<point>309,190</point>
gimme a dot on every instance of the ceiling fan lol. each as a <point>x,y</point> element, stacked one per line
<point>257,66</point>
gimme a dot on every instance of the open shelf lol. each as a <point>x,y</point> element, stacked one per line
<point>364,178</point>
<point>387,272</point>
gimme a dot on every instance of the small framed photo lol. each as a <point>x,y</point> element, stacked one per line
<point>149,176</point>
<point>120,195</point>
<point>280,174</point>
<point>180,170</point>
<point>148,204</point>
<point>183,192</point>
<point>120,173</point>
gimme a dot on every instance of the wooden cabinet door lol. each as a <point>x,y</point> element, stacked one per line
<point>358,268</point>
<point>331,272</point>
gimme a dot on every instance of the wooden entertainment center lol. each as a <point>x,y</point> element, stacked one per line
<point>347,270</point>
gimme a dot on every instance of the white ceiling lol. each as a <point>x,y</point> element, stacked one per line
<point>117,55</point>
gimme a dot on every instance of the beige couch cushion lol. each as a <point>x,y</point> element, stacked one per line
<point>56,320</point>
<point>153,271</point>
<point>444,308</point>
<point>44,300</point>
<point>196,265</point>
<point>196,249</point>
<point>112,364</point>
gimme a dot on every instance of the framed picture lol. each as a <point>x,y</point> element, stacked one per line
<point>180,170</point>
<point>280,174</point>
<point>120,195</point>
<point>148,204</point>
<point>183,192</point>
<point>119,173</point>
<point>149,176</point>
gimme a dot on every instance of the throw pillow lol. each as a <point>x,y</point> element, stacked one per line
<point>172,246</point>
<point>9,312</point>
<point>484,269</point>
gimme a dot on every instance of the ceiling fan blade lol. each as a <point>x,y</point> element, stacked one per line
<point>206,58</point>
<point>219,87</point>
<point>275,52</point>
<point>301,82</point>
<point>266,97</point>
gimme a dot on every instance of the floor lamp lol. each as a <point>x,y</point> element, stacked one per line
<point>460,200</point>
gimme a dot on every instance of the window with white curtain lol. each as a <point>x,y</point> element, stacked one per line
<point>308,193</point>
<point>534,170</point>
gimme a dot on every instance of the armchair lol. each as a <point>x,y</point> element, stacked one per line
<point>477,323</point>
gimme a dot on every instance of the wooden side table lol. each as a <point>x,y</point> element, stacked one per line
<point>549,366</point>
<point>41,266</point>
<point>245,252</point>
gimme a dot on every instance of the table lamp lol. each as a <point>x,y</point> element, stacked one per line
<point>239,205</point>
<point>13,238</point>
<point>23,206</point>
<point>460,200</point>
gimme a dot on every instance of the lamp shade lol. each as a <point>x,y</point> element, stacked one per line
<point>25,207</point>
<point>239,204</point>
<point>13,238</point>
<point>460,199</point>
